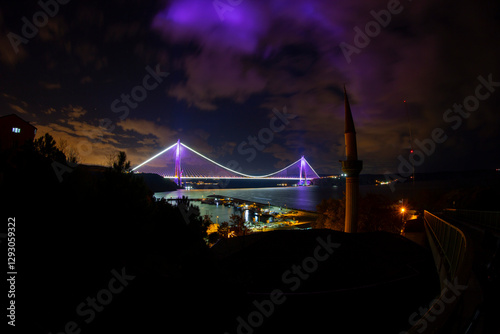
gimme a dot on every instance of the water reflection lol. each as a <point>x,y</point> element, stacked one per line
<point>304,198</point>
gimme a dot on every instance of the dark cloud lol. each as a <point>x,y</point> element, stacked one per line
<point>232,65</point>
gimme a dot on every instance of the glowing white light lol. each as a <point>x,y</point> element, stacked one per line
<point>242,175</point>
<point>145,162</point>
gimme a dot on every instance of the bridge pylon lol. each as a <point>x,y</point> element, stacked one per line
<point>178,169</point>
<point>303,181</point>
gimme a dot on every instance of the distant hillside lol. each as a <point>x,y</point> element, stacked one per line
<point>157,183</point>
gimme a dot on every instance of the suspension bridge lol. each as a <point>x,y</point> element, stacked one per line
<point>179,162</point>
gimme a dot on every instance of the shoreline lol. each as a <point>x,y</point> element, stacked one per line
<point>304,217</point>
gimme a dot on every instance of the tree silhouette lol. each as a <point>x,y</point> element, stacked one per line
<point>331,214</point>
<point>375,213</point>
<point>120,163</point>
<point>238,223</point>
<point>46,146</point>
<point>71,154</point>
<point>213,238</point>
<point>223,229</point>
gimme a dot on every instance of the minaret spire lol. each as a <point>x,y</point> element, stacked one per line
<point>352,149</point>
<point>351,167</point>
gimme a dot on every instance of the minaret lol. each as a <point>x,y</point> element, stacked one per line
<point>351,167</point>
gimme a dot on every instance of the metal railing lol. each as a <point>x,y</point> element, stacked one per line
<point>449,247</point>
<point>485,219</point>
<point>451,242</point>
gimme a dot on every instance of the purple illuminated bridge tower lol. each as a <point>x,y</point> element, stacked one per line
<point>178,169</point>
<point>303,172</point>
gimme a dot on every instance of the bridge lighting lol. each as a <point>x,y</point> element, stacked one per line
<point>153,157</point>
<point>299,168</point>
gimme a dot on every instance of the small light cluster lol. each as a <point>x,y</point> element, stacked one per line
<point>16,130</point>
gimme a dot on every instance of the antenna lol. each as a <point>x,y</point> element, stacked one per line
<point>411,140</point>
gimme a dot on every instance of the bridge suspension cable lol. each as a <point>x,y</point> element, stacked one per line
<point>191,172</point>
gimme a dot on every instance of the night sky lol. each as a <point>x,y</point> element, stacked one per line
<point>138,75</point>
